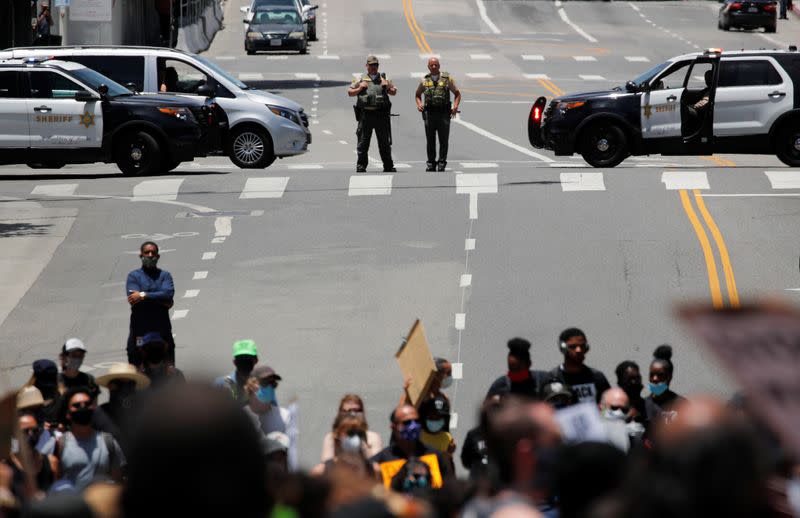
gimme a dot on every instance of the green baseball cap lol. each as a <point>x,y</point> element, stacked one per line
<point>241,347</point>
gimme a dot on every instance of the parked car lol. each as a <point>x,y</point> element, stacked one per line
<point>261,126</point>
<point>748,14</point>
<point>276,28</point>
<point>310,16</point>
<point>304,6</point>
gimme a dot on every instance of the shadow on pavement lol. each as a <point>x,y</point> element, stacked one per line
<point>22,230</point>
<point>277,85</point>
<point>89,176</point>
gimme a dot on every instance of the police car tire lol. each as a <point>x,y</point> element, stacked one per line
<point>250,137</point>
<point>169,165</point>
<point>785,146</point>
<point>46,165</point>
<point>150,161</point>
<point>615,138</point>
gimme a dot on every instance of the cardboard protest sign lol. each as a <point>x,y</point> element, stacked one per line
<point>416,362</point>
<point>760,346</point>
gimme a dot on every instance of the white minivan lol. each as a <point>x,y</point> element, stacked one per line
<point>262,126</point>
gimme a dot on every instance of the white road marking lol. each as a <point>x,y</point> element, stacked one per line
<point>535,76</point>
<point>343,142</point>
<point>222,226</point>
<point>584,58</point>
<point>328,56</point>
<point>479,165</point>
<point>469,244</point>
<point>418,75</point>
<point>402,166</point>
<point>265,187</point>
<point>590,77</point>
<point>474,184</point>
<point>501,140</point>
<point>480,57</point>
<point>461,321</point>
<point>784,179</point>
<point>157,190</point>
<point>55,189</point>
<point>303,167</point>
<point>563,14</point>
<point>277,58</point>
<point>190,294</point>
<point>772,40</point>
<point>558,165</point>
<point>179,313</point>
<point>633,6</point>
<point>383,56</point>
<point>429,56</point>
<point>454,420</point>
<point>225,58</point>
<point>200,275</point>
<point>582,182</point>
<point>256,76</point>
<point>466,280</point>
<point>677,180</point>
<point>479,75</point>
<point>208,256</point>
<point>532,57</point>
<point>637,59</point>
<point>370,185</point>
<point>218,240</point>
<point>457,370</point>
<point>485,17</point>
<point>327,132</point>
<point>307,75</point>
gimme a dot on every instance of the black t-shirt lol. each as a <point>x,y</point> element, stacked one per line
<point>588,384</point>
<point>83,379</point>
<point>474,453</point>
<point>531,387</point>
<point>661,409</point>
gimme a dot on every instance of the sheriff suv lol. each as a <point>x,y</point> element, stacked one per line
<point>54,113</point>
<point>696,104</point>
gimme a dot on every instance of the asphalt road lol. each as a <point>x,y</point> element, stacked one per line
<point>327,270</point>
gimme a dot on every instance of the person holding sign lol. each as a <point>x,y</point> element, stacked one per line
<point>587,383</point>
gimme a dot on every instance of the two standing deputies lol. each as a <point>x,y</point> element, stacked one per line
<point>373,113</point>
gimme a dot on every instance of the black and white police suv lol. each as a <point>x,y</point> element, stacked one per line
<point>745,102</point>
<point>54,113</point>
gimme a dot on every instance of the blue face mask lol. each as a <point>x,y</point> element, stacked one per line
<point>658,388</point>
<point>266,395</point>
<point>411,431</point>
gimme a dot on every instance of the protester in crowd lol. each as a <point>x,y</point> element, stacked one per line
<point>350,447</point>
<point>557,395</point>
<point>45,378</point>
<point>475,453</point>
<point>658,405</point>
<point>587,383</point>
<point>73,352</point>
<point>45,467</point>
<point>84,453</point>
<point>414,477</point>
<point>442,380</point>
<point>276,450</point>
<point>587,473</point>
<point>122,381</point>
<point>614,408</point>
<point>150,291</point>
<point>30,402</point>
<point>351,404</point>
<point>405,441</point>
<point>154,352</point>
<point>435,414</point>
<point>262,405</point>
<point>245,357</point>
<point>520,380</point>
<point>522,437</point>
<point>194,453</point>
<point>629,379</point>
<point>44,23</point>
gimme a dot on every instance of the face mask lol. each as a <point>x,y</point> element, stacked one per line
<point>244,366</point>
<point>155,355</point>
<point>82,416</point>
<point>351,444</point>
<point>149,262</point>
<point>658,388</point>
<point>617,415</point>
<point>447,382</point>
<point>434,425</point>
<point>411,431</point>
<point>519,376</point>
<point>73,364</point>
<point>33,439</point>
<point>266,395</point>
<point>632,388</point>
<point>415,483</point>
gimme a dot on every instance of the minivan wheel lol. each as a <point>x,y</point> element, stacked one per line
<point>603,144</point>
<point>138,154</point>
<point>787,146</point>
<point>250,148</point>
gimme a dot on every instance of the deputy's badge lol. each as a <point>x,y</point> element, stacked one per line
<point>648,110</point>
<point>87,119</point>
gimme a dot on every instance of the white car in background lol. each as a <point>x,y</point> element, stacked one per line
<point>304,6</point>
<point>262,126</point>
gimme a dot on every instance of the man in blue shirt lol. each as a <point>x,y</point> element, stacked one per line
<point>150,291</point>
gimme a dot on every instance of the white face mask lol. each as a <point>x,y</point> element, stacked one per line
<point>351,444</point>
<point>447,382</point>
<point>617,415</point>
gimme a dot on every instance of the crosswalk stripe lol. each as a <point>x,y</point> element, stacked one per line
<point>476,183</point>
<point>591,77</point>
<point>200,275</point>
<point>536,76</point>
<point>479,75</point>
<point>328,56</point>
<point>584,58</point>
<point>418,75</point>
<point>55,189</point>
<point>677,180</point>
<point>532,57</point>
<point>582,182</point>
<point>305,166</point>
<point>307,75</point>
<point>179,313</point>
<point>157,190</point>
<point>429,56</point>
<point>637,59</point>
<point>784,179</point>
<point>277,58</point>
<point>480,57</point>
<point>370,185</point>
<point>383,56</point>
<point>478,165</point>
<point>266,187</point>
<point>251,76</point>
<point>190,294</point>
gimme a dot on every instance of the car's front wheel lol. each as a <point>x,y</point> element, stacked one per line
<point>603,144</point>
<point>46,165</point>
<point>138,154</point>
<point>250,148</point>
<point>787,143</point>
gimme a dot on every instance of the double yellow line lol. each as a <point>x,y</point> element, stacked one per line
<point>419,36</point>
<point>708,253</point>
<point>551,87</point>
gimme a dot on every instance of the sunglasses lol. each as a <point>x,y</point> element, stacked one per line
<point>625,409</point>
<point>79,406</point>
<point>408,422</point>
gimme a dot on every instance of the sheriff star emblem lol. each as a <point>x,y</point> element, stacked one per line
<point>87,119</point>
<point>648,110</point>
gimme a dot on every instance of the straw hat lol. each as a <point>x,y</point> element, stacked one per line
<point>124,371</point>
<point>29,397</point>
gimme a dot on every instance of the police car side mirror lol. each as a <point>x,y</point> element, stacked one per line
<point>244,8</point>
<point>205,91</point>
<point>132,87</point>
<point>103,90</point>
<point>631,87</point>
<point>85,97</point>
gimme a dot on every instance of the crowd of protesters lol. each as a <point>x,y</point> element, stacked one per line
<point>553,443</point>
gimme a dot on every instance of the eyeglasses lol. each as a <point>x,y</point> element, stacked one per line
<point>268,382</point>
<point>625,409</point>
<point>352,410</point>
<point>408,422</point>
<point>79,406</point>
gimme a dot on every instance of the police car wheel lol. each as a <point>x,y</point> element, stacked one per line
<point>603,144</point>
<point>137,154</point>
<point>250,148</point>
<point>46,165</point>
<point>169,165</point>
<point>788,144</point>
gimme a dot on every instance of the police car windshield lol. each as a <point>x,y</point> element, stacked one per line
<point>95,79</point>
<point>219,71</point>
<point>650,74</point>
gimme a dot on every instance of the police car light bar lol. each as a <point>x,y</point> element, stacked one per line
<point>37,59</point>
<point>714,50</point>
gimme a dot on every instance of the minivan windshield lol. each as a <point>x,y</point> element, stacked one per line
<point>222,72</point>
<point>95,79</point>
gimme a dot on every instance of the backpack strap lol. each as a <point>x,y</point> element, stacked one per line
<point>112,451</point>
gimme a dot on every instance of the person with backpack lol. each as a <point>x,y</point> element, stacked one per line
<point>86,455</point>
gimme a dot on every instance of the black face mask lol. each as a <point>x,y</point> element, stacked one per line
<point>244,366</point>
<point>632,389</point>
<point>82,416</point>
<point>155,355</point>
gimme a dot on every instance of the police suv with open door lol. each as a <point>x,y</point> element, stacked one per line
<point>740,102</point>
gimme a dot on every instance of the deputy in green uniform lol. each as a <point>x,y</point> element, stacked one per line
<point>436,111</point>
<point>372,112</point>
